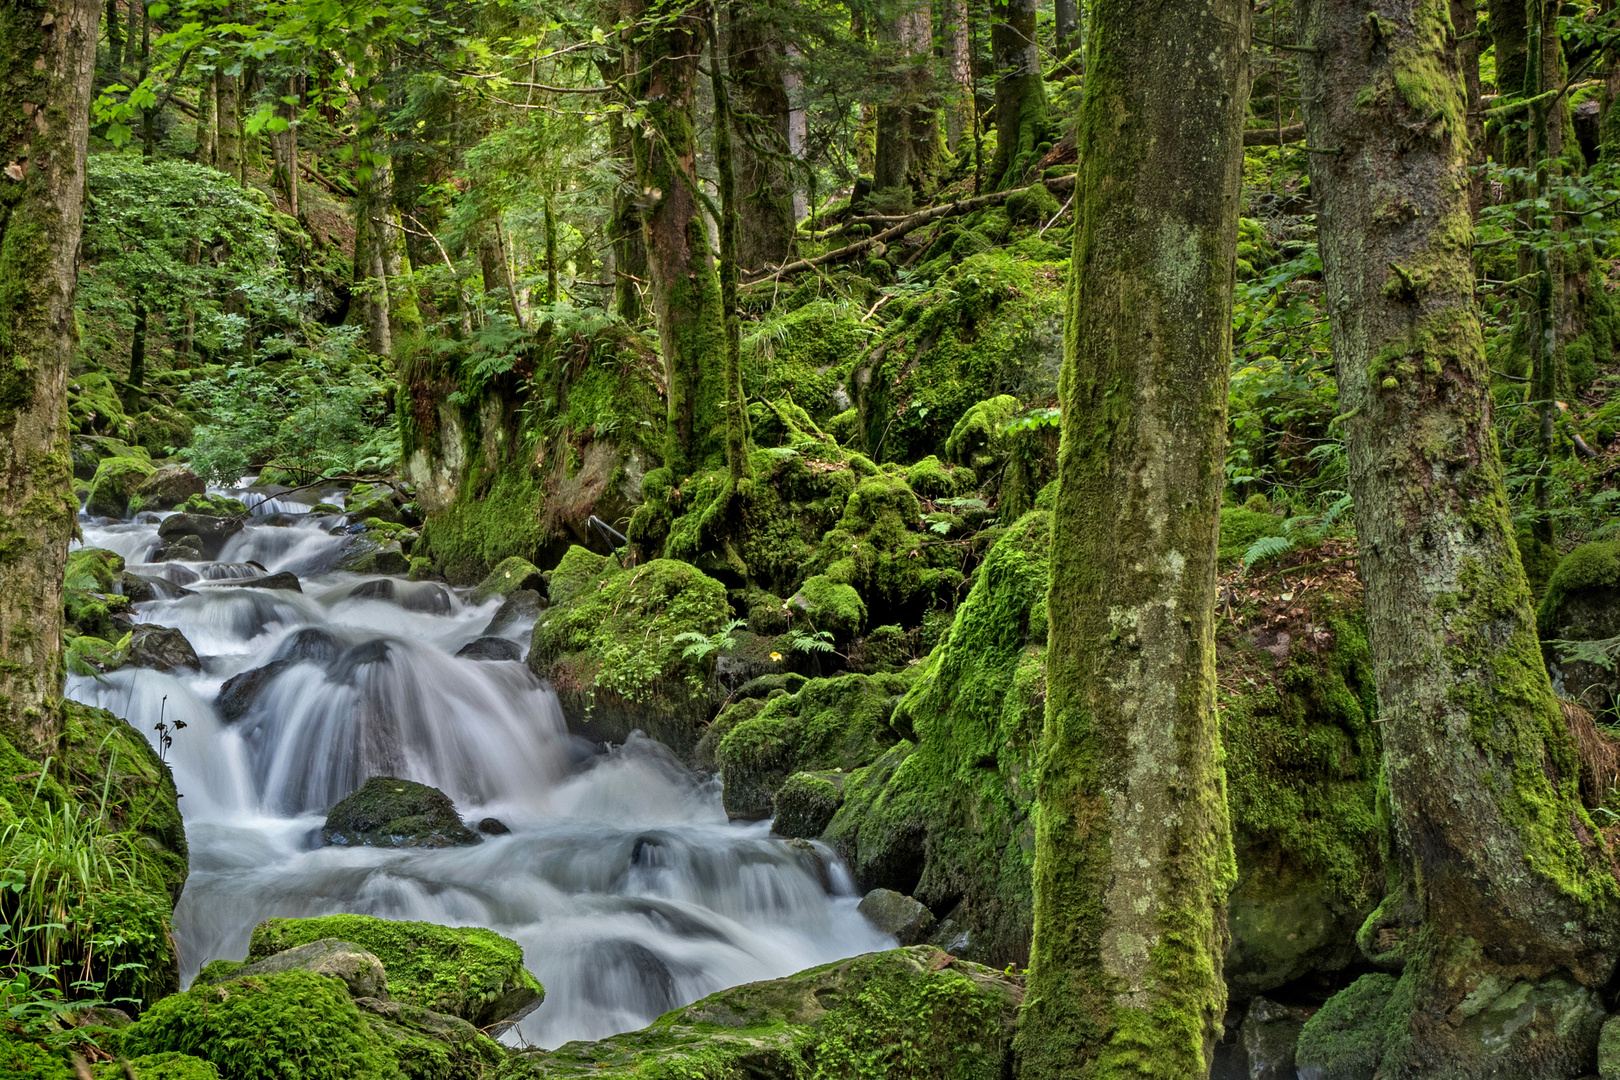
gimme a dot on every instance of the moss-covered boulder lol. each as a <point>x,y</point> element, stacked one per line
<point>1582,604</point>
<point>268,1027</point>
<point>945,815</point>
<point>806,803</point>
<point>825,605</point>
<point>467,972</point>
<point>166,1066</point>
<point>20,1057</point>
<point>89,593</point>
<point>116,480</point>
<point>89,451</point>
<point>879,549</point>
<point>838,723</point>
<point>511,576</point>
<point>390,812</point>
<point>909,1013</point>
<point>168,487</point>
<point>608,645</point>
<point>209,504</point>
<point>361,973</point>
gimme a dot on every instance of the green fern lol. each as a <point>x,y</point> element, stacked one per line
<point>1298,532</point>
<point>700,645</point>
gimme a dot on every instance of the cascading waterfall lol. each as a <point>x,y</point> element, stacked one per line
<point>621,878</point>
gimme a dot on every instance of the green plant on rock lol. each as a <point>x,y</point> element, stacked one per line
<point>699,645</point>
<point>1297,532</point>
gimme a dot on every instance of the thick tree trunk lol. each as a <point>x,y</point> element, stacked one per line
<point>905,35</point>
<point>685,287</point>
<point>115,39</point>
<point>758,62</point>
<point>1506,877</point>
<point>1020,94</point>
<point>46,69</point>
<point>960,108</point>
<point>1066,28</point>
<point>798,130</point>
<point>1133,855</point>
<point>137,358</point>
<point>372,242</point>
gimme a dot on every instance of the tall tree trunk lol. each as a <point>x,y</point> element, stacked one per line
<point>228,125</point>
<point>627,241</point>
<point>798,130</point>
<point>731,221</point>
<point>137,358</point>
<point>372,241</point>
<point>685,287</point>
<point>1506,885</point>
<point>115,39</point>
<point>492,264</point>
<point>1133,854</point>
<point>757,62</point>
<point>207,136</point>
<point>1465,19</point>
<point>1066,28</point>
<point>904,33</point>
<point>47,69</point>
<point>1020,93</point>
<point>961,108</point>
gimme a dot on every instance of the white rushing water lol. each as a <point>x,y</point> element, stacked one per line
<point>621,878</point>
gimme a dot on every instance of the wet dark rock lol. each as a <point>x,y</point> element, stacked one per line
<point>491,648</point>
<point>424,596</point>
<point>211,532</point>
<point>512,575</point>
<point>239,692</point>
<point>1268,1036</point>
<point>312,644</point>
<point>894,913</point>
<point>521,608</point>
<point>390,812</point>
<point>180,549</point>
<point>161,647</point>
<point>626,974</point>
<point>137,588</point>
<point>371,652</point>
<point>807,803</point>
<point>492,827</point>
<point>286,580</point>
<point>169,487</point>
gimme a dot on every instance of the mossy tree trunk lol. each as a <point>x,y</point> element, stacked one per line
<point>1133,853</point>
<point>627,239</point>
<point>227,125</point>
<point>666,50</point>
<point>903,31</point>
<point>373,239</point>
<point>731,222</point>
<point>758,60</point>
<point>958,44</point>
<point>46,67</point>
<point>1505,876</point>
<point>1020,93</point>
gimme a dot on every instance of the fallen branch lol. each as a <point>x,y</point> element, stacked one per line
<point>1274,136</point>
<point>916,221</point>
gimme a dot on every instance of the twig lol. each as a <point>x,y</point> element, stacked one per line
<point>1055,216</point>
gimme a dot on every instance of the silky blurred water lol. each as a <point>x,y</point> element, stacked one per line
<point>621,878</point>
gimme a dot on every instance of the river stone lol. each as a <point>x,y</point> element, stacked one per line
<point>521,608</point>
<point>137,588</point>
<point>512,575</point>
<point>493,827</point>
<point>311,643</point>
<point>161,647</point>
<point>286,581</point>
<point>491,648</point>
<point>351,965</point>
<point>180,549</point>
<point>239,692</point>
<point>1608,1055</point>
<point>169,487</point>
<point>211,532</point>
<point>897,914</point>
<point>390,812</point>
<point>1269,1034</point>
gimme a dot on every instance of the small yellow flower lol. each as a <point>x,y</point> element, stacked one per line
<point>776,657</point>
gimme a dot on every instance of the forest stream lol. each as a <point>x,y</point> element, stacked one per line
<point>621,878</point>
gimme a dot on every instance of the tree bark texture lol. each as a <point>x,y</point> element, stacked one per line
<point>228,126</point>
<point>761,109</point>
<point>1505,871</point>
<point>1133,853</point>
<point>46,70</point>
<point>372,242</point>
<point>961,107</point>
<point>686,290</point>
<point>904,30</point>
<point>1020,93</point>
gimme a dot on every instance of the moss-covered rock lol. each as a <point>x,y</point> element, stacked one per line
<point>879,549</point>
<point>838,723</point>
<point>831,606</point>
<point>116,480</point>
<point>946,818</point>
<point>800,351</point>
<point>21,1057</point>
<point>991,325</point>
<point>607,644</point>
<point>168,487</point>
<point>908,1014</point>
<point>267,1028</point>
<point>390,812</point>
<point>806,803</point>
<point>467,972</point>
<point>509,577</point>
<point>1241,527</point>
<point>210,504</point>
<point>481,528</point>
<point>1582,603</point>
<point>430,1045</point>
<point>166,1066</point>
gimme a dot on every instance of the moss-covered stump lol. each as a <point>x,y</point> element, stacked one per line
<point>946,818</point>
<point>608,646</point>
<point>467,972</point>
<point>908,1014</point>
<point>267,1028</point>
<point>1582,604</point>
<point>115,481</point>
<point>390,812</point>
<point>839,723</point>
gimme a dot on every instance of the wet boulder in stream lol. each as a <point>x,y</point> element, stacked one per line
<point>211,532</point>
<point>358,970</point>
<point>520,607</point>
<point>161,647</point>
<point>390,812</point>
<point>169,487</point>
<point>491,648</point>
<point>286,581</point>
<point>239,692</point>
